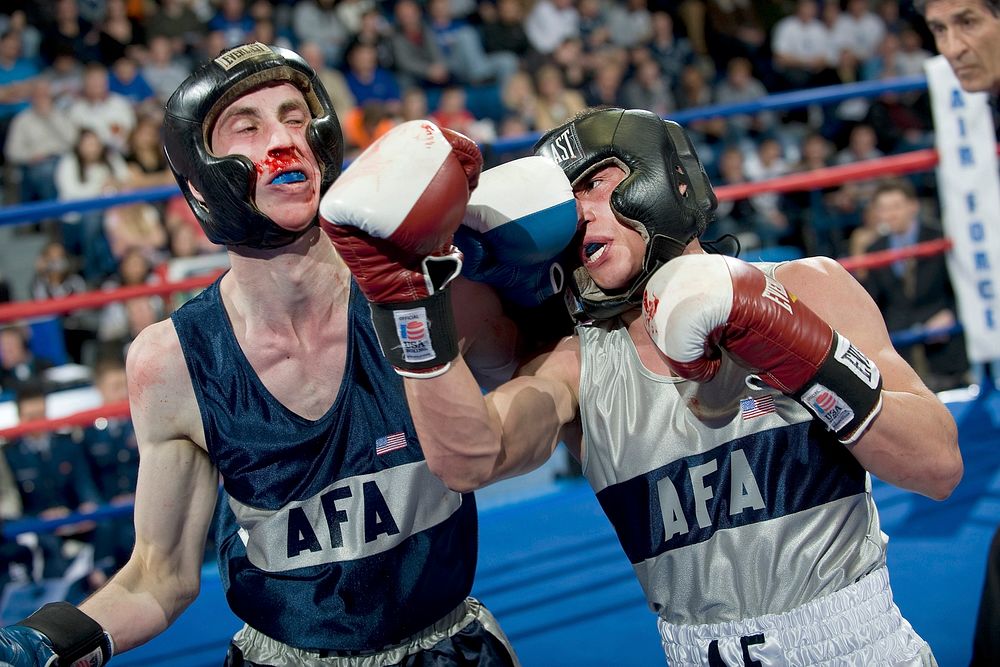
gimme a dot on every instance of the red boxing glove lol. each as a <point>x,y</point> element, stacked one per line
<point>697,305</point>
<point>391,217</point>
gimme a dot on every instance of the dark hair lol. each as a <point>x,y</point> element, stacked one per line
<point>29,389</point>
<point>895,185</point>
<point>992,5</point>
<point>103,158</point>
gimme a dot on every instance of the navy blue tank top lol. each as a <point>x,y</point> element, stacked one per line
<point>333,534</point>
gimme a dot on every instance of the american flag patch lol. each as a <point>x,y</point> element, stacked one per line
<point>390,443</point>
<point>755,407</point>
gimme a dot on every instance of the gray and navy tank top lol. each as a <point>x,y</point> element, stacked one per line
<point>336,535</point>
<point>748,508</point>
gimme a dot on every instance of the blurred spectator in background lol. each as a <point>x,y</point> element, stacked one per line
<point>846,204</point>
<point>233,20</point>
<point>801,48</point>
<point>502,28</point>
<point>520,99</point>
<point>414,105</point>
<point>56,276</point>
<point>17,77</point>
<point>211,45</point>
<point>857,32</point>
<point>144,156</point>
<point>316,21</point>
<point>110,115</point>
<point>18,364</point>
<point>575,63</point>
<point>453,113</point>
<point>350,13</point>
<point>808,211</point>
<point>733,28</point>
<point>630,23</point>
<point>375,31</point>
<point>462,48</point>
<point>176,21</point>
<point>164,69</point>
<point>180,221</point>
<point>136,226</point>
<point>368,82</point>
<point>915,293</point>
<point>912,54</point>
<point>118,34</point>
<point>38,137</point>
<point>648,89</point>
<point>549,22</point>
<point>768,162</point>
<point>121,321</point>
<point>673,53</point>
<point>693,92</point>
<point>268,21</point>
<point>740,86</point>
<point>737,217</point>
<point>594,28</point>
<point>31,37</point>
<point>68,32</point>
<point>126,79</point>
<point>65,75</point>
<point>606,85</point>
<point>92,169</point>
<point>53,481</point>
<point>418,58</point>
<point>332,78</point>
<point>110,449</point>
<point>556,103</point>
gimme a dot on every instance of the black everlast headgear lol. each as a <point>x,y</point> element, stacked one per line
<point>658,158</point>
<point>229,215</point>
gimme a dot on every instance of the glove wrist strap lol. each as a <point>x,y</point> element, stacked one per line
<point>76,638</point>
<point>417,337</point>
<point>846,392</point>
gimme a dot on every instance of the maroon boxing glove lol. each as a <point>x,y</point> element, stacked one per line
<point>391,216</point>
<point>697,305</point>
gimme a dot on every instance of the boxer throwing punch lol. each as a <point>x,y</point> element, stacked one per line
<point>730,416</point>
<point>337,545</point>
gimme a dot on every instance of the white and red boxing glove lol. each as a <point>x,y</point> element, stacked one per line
<point>698,305</point>
<point>391,217</point>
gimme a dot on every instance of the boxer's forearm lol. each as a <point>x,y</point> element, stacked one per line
<point>459,435</point>
<point>133,614</point>
<point>913,445</point>
<point>471,440</point>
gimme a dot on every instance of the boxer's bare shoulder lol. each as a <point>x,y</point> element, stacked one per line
<point>161,395</point>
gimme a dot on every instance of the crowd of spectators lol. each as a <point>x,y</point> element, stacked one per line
<point>83,84</point>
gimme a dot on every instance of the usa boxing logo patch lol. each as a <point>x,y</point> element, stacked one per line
<point>413,331</point>
<point>828,407</point>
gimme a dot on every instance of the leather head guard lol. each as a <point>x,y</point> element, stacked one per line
<point>229,215</point>
<point>666,195</point>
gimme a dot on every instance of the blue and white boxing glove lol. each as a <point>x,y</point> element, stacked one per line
<point>518,222</point>
<point>57,635</point>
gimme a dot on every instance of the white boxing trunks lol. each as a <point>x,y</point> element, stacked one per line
<point>858,625</point>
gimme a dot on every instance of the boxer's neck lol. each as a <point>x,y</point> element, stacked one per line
<point>300,281</point>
